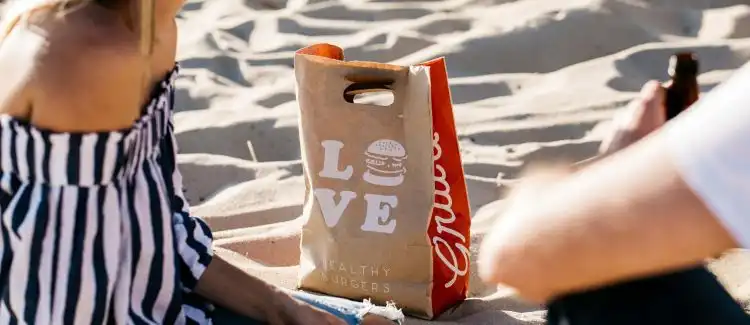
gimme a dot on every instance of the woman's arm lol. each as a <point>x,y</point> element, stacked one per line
<point>213,278</point>
<point>236,290</point>
<point>208,275</point>
<point>666,202</point>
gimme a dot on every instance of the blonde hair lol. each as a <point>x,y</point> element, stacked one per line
<point>19,10</point>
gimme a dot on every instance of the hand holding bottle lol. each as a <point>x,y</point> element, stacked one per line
<point>656,104</point>
<point>643,116</point>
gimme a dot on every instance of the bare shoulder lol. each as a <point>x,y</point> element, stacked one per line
<point>57,64</point>
<point>85,48</point>
<point>89,76</point>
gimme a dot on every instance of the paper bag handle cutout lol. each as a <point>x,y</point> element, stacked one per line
<point>359,88</point>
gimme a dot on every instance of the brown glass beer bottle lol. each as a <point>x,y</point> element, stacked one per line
<point>682,90</point>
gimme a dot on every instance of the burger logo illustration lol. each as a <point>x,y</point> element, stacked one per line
<point>385,160</point>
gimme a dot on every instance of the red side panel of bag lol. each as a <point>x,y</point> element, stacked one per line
<point>449,228</point>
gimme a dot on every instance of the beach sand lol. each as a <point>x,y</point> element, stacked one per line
<point>532,80</point>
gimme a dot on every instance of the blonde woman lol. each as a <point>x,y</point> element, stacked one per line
<point>95,228</point>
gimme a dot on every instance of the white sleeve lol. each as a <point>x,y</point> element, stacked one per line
<point>710,144</point>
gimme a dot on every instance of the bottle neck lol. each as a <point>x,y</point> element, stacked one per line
<point>684,77</point>
<point>684,80</point>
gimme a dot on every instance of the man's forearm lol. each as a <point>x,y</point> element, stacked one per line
<point>604,224</point>
<point>220,283</point>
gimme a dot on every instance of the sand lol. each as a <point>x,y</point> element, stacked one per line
<point>532,80</point>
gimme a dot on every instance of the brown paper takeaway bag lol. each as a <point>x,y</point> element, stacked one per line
<point>386,212</point>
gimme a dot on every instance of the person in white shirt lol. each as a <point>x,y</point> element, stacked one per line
<point>623,240</point>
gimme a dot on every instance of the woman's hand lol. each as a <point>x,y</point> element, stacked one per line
<point>228,286</point>
<point>289,311</point>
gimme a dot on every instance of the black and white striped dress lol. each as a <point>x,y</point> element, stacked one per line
<point>95,228</point>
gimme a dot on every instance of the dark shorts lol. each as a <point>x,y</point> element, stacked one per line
<point>688,297</point>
